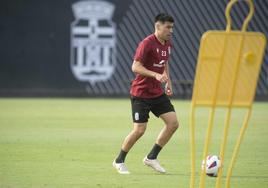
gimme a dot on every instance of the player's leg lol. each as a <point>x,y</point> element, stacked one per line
<point>140,115</point>
<point>171,125</point>
<point>130,140</point>
<point>133,136</point>
<point>165,110</point>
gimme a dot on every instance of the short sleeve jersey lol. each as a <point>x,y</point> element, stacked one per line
<point>153,55</point>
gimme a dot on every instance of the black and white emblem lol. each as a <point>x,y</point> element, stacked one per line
<point>93,41</point>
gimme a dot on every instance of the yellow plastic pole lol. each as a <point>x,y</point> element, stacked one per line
<point>227,120</point>
<point>236,150</point>
<point>223,145</point>
<point>211,117</point>
<point>248,18</point>
<point>250,15</point>
<point>207,143</point>
<point>192,137</point>
<point>192,132</point>
<point>229,111</point>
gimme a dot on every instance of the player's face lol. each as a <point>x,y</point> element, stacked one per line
<point>165,30</point>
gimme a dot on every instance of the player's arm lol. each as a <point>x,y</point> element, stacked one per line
<point>166,71</point>
<point>138,68</point>
<point>168,87</point>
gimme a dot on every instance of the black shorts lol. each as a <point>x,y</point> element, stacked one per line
<point>142,107</point>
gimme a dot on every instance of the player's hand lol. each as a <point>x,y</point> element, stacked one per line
<point>161,78</point>
<point>168,89</point>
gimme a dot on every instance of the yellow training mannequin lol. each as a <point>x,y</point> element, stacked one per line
<point>227,72</point>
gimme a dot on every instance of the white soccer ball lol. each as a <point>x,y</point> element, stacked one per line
<point>212,165</point>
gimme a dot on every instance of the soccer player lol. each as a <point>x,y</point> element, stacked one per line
<point>152,70</point>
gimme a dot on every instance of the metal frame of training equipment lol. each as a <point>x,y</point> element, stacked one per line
<point>216,85</point>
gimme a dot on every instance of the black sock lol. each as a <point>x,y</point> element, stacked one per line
<point>121,157</point>
<point>154,152</point>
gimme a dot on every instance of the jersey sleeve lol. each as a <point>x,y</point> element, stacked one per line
<point>142,51</point>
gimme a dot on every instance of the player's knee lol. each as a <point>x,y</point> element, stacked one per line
<point>173,125</point>
<point>139,132</point>
<point>176,125</point>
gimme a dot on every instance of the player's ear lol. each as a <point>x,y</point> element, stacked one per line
<point>157,26</point>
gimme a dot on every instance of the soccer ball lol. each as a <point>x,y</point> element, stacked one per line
<point>211,165</point>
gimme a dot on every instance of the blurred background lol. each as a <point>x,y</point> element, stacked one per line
<point>85,48</point>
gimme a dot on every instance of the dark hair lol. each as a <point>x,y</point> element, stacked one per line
<point>164,17</point>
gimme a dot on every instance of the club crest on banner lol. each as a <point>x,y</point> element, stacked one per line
<point>93,41</point>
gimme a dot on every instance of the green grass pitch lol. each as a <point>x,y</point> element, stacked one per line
<point>72,143</point>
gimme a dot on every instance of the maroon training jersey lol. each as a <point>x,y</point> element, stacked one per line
<point>154,56</point>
